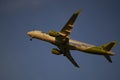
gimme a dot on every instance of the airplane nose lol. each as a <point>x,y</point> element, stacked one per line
<point>29,33</point>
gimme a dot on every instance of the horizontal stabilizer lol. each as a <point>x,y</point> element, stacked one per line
<point>109,46</point>
<point>108,58</point>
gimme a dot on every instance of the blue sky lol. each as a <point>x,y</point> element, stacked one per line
<point>21,59</point>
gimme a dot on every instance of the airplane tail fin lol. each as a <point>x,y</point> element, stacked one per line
<point>108,47</point>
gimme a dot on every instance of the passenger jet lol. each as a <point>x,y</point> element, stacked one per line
<point>64,43</point>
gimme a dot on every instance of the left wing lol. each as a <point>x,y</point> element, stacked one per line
<point>65,31</point>
<point>68,55</point>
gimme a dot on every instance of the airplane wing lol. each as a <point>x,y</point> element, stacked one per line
<point>65,31</point>
<point>68,55</point>
<point>63,37</point>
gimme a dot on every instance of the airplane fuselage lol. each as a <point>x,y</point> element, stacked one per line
<point>73,44</point>
<point>62,40</point>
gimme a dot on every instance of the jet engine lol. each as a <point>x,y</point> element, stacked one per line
<point>56,51</point>
<point>53,33</point>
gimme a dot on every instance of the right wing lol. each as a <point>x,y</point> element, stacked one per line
<point>65,31</point>
<point>64,34</point>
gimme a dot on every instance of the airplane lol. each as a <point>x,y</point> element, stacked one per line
<point>64,43</point>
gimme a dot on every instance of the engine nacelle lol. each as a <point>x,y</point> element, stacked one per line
<point>56,51</point>
<point>53,33</point>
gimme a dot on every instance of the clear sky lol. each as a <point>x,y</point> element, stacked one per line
<point>21,59</point>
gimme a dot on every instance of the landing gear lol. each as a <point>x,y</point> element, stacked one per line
<point>30,39</point>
